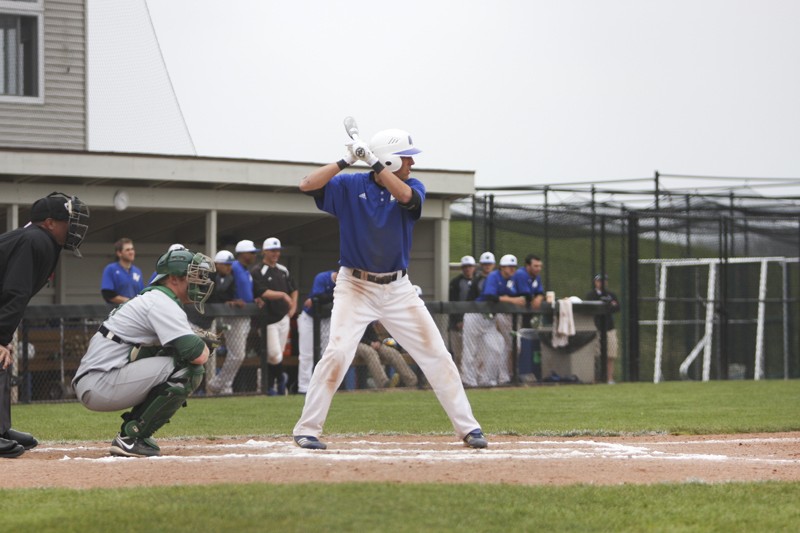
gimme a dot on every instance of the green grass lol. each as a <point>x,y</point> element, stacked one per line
<point>628,408</point>
<point>636,408</point>
<point>375,507</point>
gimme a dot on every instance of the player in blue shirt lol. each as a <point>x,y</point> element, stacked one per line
<point>236,337</point>
<point>530,276</point>
<point>486,361</point>
<point>122,280</point>
<point>322,292</point>
<point>377,211</point>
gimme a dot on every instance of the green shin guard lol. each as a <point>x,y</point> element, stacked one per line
<point>162,403</point>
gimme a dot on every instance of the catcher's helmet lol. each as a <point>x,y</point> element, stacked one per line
<point>390,145</point>
<point>196,266</point>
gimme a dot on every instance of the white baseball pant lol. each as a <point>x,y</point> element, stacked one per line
<point>483,346</point>
<point>277,335</point>
<point>236,343</point>
<point>305,347</point>
<point>404,315</point>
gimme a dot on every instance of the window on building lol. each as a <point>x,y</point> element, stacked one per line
<point>19,55</point>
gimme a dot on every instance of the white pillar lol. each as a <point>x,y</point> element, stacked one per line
<point>12,217</point>
<point>441,254</point>
<point>211,232</point>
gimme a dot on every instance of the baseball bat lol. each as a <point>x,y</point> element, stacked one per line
<point>351,127</point>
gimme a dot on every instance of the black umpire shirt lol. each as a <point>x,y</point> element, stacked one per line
<point>28,256</point>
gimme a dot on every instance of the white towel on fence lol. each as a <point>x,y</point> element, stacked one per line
<point>563,323</point>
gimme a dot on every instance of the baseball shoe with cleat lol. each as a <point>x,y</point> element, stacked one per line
<point>282,381</point>
<point>476,439</point>
<point>26,440</point>
<point>10,448</point>
<point>134,447</point>
<point>309,443</point>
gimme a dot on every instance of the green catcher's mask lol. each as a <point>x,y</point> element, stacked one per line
<point>195,266</point>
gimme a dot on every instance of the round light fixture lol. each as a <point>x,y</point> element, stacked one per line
<point>121,200</point>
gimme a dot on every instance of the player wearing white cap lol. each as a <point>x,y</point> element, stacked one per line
<point>501,286</point>
<point>276,296</point>
<point>458,291</point>
<point>476,325</point>
<point>236,337</point>
<point>377,211</point>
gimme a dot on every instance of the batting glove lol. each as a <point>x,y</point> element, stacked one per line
<point>349,156</point>
<point>362,152</point>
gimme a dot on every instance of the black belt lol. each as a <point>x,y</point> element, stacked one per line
<point>102,330</point>
<point>380,280</point>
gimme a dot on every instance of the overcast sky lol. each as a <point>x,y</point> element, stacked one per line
<point>523,92</point>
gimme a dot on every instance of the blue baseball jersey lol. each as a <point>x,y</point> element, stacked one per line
<point>496,285</point>
<point>126,283</point>
<point>323,286</point>
<point>244,282</point>
<point>531,285</point>
<point>374,231</point>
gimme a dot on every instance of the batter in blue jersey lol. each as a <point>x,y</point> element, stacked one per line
<point>377,211</point>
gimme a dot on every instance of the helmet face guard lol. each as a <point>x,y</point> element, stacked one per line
<point>200,284</point>
<point>78,225</point>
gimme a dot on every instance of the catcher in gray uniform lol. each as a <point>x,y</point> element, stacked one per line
<point>146,355</point>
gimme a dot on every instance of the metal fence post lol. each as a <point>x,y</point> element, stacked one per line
<point>25,384</point>
<point>633,296</point>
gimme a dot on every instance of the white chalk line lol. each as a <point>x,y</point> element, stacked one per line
<point>424,451</point>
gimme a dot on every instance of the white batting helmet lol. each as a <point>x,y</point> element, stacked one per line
<point>389,146</point>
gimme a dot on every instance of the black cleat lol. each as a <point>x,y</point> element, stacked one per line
<point>10,448</point>
<point>26,440</point>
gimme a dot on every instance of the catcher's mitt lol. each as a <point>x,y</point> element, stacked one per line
<point>211,339</point>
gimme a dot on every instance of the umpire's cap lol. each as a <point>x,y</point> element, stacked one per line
<point>55,206</point>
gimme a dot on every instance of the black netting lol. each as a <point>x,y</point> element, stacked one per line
<point>578,237</point>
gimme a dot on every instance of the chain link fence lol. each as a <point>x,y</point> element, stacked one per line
<point>709,290</point>
<point>743,328</point>
<point>503,351</point>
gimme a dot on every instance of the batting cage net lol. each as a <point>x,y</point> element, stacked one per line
<point>660,256</point>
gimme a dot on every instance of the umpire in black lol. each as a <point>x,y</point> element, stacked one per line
<point>28,257</point>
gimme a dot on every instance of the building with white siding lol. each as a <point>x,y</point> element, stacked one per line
<point>205,203</point>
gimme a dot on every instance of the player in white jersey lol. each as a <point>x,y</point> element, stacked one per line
<point>377,211</point>
<point>146,355</point>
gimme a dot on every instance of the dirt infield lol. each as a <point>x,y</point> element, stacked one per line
<point>426,459</point>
